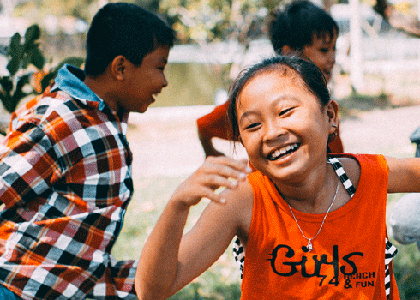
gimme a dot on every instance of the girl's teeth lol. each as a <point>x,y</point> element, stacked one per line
<point>282,151</point>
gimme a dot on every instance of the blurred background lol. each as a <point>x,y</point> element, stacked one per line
<point>375,80</point>
<point>378,42</point>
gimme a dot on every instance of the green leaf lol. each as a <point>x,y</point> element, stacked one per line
<point>25,61</point>
<point>23,80</point>
<point>47,80</point>
<point>37,58</point>
<point>14,65</point>
<point>7,103</point>
<point>32,34</point>
<point>74,61</point>
<point>7,84</point>
<point>18,94</point>
<point>15,47</point>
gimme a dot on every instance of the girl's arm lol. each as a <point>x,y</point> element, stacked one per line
<point>170,261</point>
<point>404,175</point>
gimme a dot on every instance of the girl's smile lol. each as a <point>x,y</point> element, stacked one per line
<point>283,152</point>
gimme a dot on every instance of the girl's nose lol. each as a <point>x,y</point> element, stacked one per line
<point>272,132</point>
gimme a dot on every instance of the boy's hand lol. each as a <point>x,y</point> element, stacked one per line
<point>213,152</point>
<point>216,172</point>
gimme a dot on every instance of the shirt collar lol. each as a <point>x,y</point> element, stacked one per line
<point>70,80</point>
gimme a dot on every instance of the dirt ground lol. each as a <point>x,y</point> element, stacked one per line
<point>164,140</point>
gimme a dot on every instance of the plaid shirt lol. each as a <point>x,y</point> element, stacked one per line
<point>65,182</point>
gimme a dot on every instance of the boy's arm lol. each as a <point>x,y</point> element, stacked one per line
<point>207,143</point>
<point>117,281</point>
<point>404,175</point>
<point>214,124</point>
<point>170,261</point>
<point>28,165</point>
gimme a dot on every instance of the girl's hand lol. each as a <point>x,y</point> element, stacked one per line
<point>216,172</point>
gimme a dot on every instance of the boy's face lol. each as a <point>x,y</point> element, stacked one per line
<point>322,53</point>
<point>145,81</point>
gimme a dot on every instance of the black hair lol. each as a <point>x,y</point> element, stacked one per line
<point>124,29</point>
<point>311,76</point>
<point>296,25</point>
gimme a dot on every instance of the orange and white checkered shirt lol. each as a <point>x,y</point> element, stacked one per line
<point>65,182</point>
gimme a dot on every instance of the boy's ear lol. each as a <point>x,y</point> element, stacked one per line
<point>118,65</point>
<point>332,114</point>
<point>287,50</point>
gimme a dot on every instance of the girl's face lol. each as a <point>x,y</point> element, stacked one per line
<point>322,53</point>
<point>283,127</point>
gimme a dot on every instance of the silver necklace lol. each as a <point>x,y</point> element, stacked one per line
<point>309,246</point>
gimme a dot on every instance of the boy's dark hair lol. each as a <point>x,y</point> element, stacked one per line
<point>311,76</point>
<point>124,29</point>
<point>297,23</point>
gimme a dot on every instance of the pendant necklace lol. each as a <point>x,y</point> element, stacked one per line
<point>309,246</point>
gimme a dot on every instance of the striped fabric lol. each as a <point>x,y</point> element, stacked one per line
<point>390,253</point>
<point>339,170</point>
<point>390,250</point>
<point>65,182</point>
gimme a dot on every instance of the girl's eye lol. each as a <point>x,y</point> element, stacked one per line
<point>283,112</point>
<point>252,126</point>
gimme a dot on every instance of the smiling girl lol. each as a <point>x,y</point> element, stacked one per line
<point>312,223</point>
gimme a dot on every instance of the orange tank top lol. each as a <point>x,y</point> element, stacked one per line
<point>348,256</point>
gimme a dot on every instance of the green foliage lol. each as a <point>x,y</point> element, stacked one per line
<point>20,56</point>
<point>201,21</point>
<point>194,291</point>
<point>195,20</point>
<point>81,9</point>
<point>74,61</point>
<point>356,102</point>
<point>37,10</point>
<point>407,271</point>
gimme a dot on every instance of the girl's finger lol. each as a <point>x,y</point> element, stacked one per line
<point>214,181</point>
<point>213,196</point>
<point>228,168</point>
<point>240,165</point>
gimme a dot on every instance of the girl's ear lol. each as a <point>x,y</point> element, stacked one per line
<point>332,109</point>
<point>118,66</point>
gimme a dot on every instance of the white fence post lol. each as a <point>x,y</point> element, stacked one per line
<point>356,69</point>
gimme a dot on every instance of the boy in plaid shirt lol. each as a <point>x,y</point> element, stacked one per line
<point>65,166</point>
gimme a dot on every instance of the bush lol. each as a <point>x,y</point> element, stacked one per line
<point>21,80</point>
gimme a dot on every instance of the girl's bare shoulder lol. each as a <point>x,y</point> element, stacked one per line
<point>242,195</point>
<point>237,201</point>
